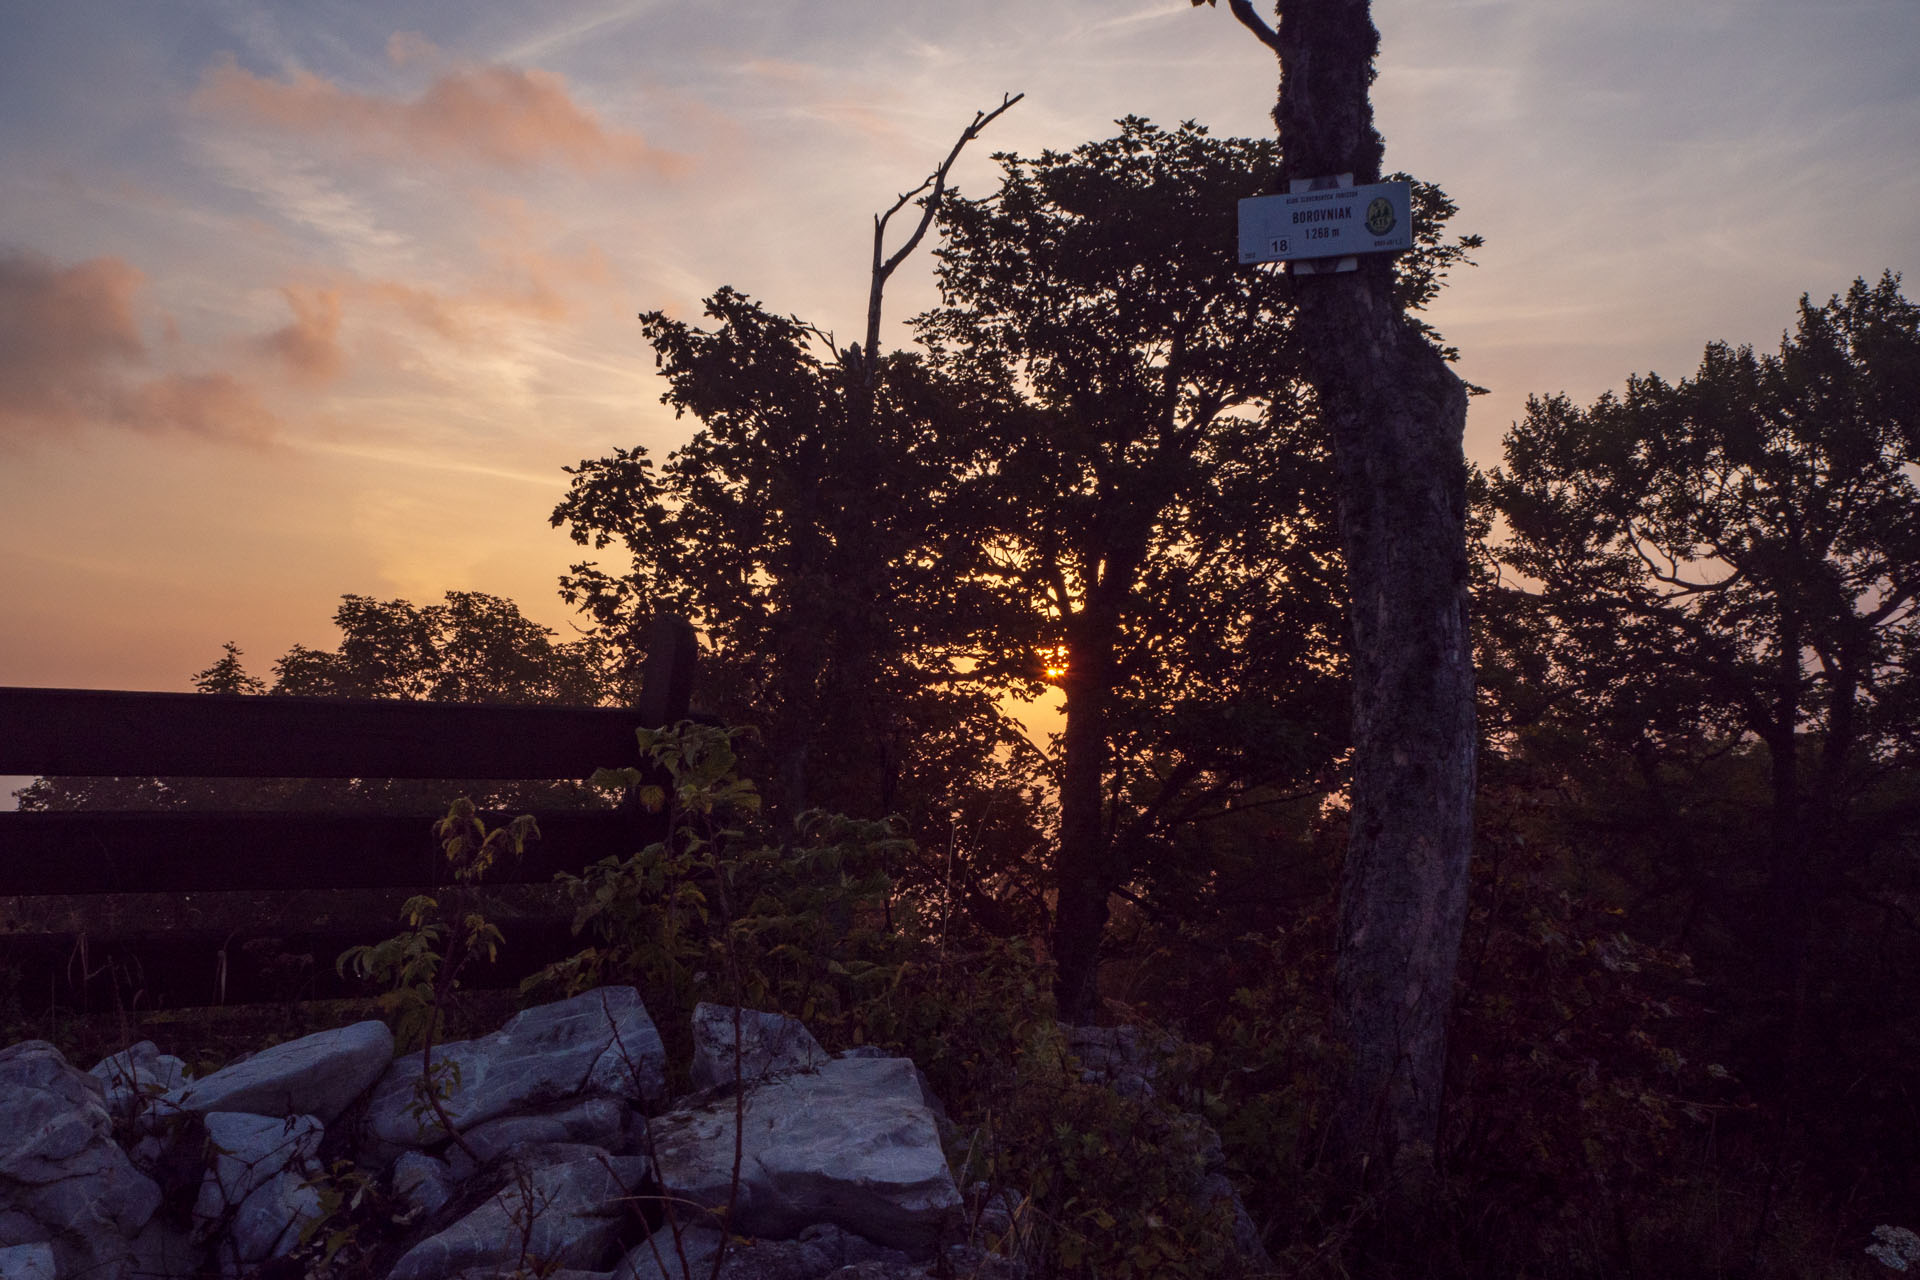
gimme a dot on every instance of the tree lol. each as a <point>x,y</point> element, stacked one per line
<point>473,648</point>
<point>1145,486</point>
<point>811,558</point>
<point>1734,559</point>
<point>228,675</point>
<point>806,532</point>
<point>1396,414</point>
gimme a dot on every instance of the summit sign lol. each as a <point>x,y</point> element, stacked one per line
<point>1331,222</point>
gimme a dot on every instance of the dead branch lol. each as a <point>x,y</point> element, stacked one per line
<point>884,266</point>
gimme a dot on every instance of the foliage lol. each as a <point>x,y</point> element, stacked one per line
<point>1108,1183</point>
<point>228,675</point>
<point>422,965</point>
<point>717,911</point>
<point>473,648</point>
<point>1726,588</point>
<point>804,530</point>
<point>1153,489</point>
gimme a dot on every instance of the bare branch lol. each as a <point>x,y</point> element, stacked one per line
<point>883,266</point>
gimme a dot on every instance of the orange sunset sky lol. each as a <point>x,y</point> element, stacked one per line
<point>306,299</point>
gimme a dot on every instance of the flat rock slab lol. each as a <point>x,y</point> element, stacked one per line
<point>567,1215</point>
<point>599,1043</point>
<point>851,1143</point>
<point>596,1121</point>
<point>316,1075</point>
<point>770,1044</point>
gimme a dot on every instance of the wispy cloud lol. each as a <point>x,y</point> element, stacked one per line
<point>299,192</point>
<point>500,116</point>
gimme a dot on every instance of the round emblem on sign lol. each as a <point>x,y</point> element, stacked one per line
<point>1380,217</point>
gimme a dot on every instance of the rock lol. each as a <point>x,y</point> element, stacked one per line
<point>425,1182</point>
<point>882,1271</point>
<point>567,1215</point>
<point>770,1044</point>
<point>136,1077</point>
<point>820,1250</point>
<point>976,1263</point>
<point>256,1198</point>
<point>27,1262</point>
<point>598,1043</point>
<point>852,1143</point>
<point>597,1122</point>
<point>316,1075</point>
<point>1118,1057</point>
<point>63,1181</point>
<point>993,1213</point>
<point>163,1251</point>
<point>662,1257</point>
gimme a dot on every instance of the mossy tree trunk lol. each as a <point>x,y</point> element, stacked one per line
<point>1396,414</point>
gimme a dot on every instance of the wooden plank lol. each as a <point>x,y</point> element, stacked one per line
<point>216,916</point>
<point>189,852</point>
<point>105,733</point>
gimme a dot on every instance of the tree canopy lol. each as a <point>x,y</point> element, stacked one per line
<point>1149,492</point>
<point>1730,559</point>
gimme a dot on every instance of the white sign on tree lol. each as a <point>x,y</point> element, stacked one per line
<point>1328,222</point>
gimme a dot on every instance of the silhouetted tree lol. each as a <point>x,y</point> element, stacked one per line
<point>1147,492</point>
<point>473,648</point>
<point>806,529</point>
<point>1735,559</point>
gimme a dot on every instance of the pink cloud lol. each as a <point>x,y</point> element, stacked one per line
<point>216,405</point>
<point>309,347</point>
<point>70,347</point>
<point>496,115</point>
<point>66,333</point>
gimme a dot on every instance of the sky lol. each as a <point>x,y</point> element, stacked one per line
<point>305,299</point>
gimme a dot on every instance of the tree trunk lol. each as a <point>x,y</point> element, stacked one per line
<point>1083,876</point>
<point>1396,413</point>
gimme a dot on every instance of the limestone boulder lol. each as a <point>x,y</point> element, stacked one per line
<point>819,1251</point>
<point>666,1255</point>
<point>770,1044</point>
<point>425,1182</point>
<point>64,1183</point>
<point>257,1196</point>
<point>137,1077</point>
<point>317,1075</point>
<point>27,1262</point>
<point>567,1214</point>
<point>851,1143</point>
<point>594,1121</point>
<point>600,1043</point>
